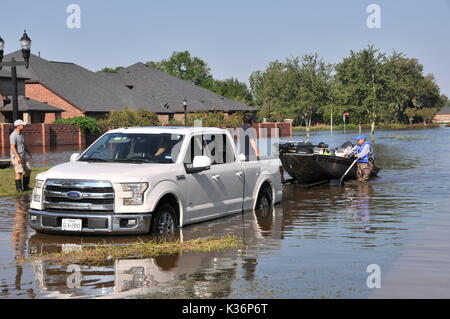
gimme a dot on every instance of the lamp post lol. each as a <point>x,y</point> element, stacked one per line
<point>25,43</point>
<point>185,111</point>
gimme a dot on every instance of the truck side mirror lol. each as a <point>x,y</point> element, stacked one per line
<point>74,157</point>
<point>200,163</point>
<point>242,157</point>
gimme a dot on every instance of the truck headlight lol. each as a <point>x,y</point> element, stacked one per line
<point>137,193</point>
<point>37,190</point>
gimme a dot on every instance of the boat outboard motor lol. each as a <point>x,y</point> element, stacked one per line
<point>304,148</point>
<point>287,147</point>
<point>347,146</point>
<point>296,147</point>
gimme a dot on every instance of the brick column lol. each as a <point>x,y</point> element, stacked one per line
<point>45,131</point>
<point>81,138</point>
<point>27,117</point>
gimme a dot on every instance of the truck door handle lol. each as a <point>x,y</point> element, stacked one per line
<point>216,177</point>
<point>239,174</point>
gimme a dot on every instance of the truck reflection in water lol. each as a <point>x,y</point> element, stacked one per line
<point>190,274</point>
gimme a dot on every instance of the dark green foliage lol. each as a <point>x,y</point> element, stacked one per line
<point>370,85</point>
<point>111,70</point>
<point>86,124</point>
<point>129,118</point>
<point>186,67</point>
<point>215,119</point>
<point>183,66</point>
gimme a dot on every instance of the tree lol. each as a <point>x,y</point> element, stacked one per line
<point>111,70</point>
<point>427,114</point>
<point>364,77</point>
<point>404,75</point>
<point>296,88</point>
<point>271,91</point>
<point>233,89</point>
<point>411,113</point>
<point>311,78</point>
<point>184,66</point>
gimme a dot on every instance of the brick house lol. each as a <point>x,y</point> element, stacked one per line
<point>52,90</point>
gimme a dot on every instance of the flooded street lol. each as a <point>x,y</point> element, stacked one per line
<point>317,243</point>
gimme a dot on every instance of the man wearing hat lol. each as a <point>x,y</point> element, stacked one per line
<point>19,157</point>
<point>365,159</point>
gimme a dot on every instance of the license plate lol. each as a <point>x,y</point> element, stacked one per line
<point>68,248</point>
<point>71,224</point>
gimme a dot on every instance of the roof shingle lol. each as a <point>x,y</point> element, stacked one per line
<point>27,105</point>
<point>137,86</point>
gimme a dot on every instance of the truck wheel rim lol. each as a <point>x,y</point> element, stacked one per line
<point>165,224</point>
<point>264,202</point>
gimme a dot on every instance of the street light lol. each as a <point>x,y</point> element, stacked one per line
<point>2,47</point>
<point>25,43</point>
<point>185,111</point>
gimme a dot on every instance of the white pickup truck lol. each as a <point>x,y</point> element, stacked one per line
<point>152,179</point>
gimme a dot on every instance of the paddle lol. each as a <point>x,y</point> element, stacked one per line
<point>341,181</point>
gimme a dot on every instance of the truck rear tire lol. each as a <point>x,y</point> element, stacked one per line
<point>164,220</point>
<point>264,199</point>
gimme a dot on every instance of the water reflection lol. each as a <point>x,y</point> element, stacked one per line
<point>361,204</point>
<point>189,275</point>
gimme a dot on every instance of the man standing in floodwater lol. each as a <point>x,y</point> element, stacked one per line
<point>19,157</point>
<point>365,159</point>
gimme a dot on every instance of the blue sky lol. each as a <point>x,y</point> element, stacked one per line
<point>234,37</point>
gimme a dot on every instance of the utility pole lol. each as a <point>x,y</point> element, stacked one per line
<point>331,115</point>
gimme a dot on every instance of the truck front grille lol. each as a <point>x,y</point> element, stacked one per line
<point>78,195</point>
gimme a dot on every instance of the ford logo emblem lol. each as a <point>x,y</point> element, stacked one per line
<point>74,195</point>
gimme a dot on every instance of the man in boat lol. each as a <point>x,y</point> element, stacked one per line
<point>363,152</point>
<point>323,148</point>
<point>20,157</point>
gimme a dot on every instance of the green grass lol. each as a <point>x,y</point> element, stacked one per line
<point>102,255</point>
<point>7,185</point>
<point>355,127</point>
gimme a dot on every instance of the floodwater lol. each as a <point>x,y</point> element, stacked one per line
<point>317,243</point>
<point>49,155</point>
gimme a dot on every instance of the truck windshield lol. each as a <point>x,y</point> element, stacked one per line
<point>135,148</point>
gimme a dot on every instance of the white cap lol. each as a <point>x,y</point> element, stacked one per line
<point>19,122</point>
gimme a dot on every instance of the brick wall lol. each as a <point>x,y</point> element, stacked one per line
<point>63,134</point>
<point>163,119</point>
<point>38,92</point>
<point>44,135</point>
<point>179,117</point>
<point>50,117</point>
<point>284,129</point>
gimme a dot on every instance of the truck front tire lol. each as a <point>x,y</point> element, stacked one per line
<point>164,220</point>
<point>264,201</point>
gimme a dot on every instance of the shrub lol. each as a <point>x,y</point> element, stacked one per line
<point>83,122</point>
<point>216,119</point>
<point>175,122</point>
<point>129,118</point>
